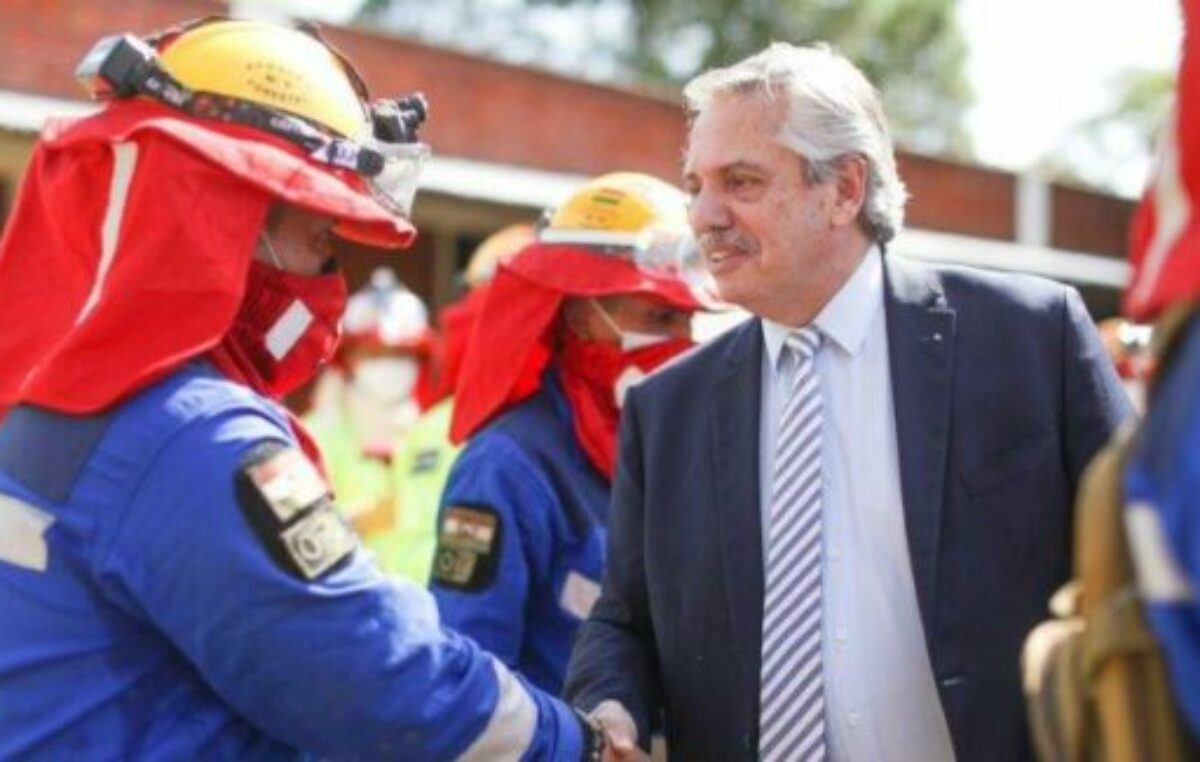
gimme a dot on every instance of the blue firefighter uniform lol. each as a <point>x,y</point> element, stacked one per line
<point>151,610</point>
<point>521,543</point>
<point>1162,489</point>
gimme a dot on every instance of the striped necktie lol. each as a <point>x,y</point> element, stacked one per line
<point>792,693</point>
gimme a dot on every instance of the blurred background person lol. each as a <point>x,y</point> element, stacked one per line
<point>1162,478</point>
<point>1128,346</point>
<point>597,302</point>
<point>365,402</point>
<point>1115,674</point>
<point>426,453</point>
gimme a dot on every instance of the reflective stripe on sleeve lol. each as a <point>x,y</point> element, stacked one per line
<point>23,534</point>
<point>510,729</point>
<point>1159,576</point>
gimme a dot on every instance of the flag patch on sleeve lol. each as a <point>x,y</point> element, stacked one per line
<point>468,548</point>
<point>290,507</point>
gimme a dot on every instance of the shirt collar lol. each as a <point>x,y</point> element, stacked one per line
<point>846,318</point>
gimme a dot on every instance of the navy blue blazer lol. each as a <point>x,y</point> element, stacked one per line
<point>1002,394</point>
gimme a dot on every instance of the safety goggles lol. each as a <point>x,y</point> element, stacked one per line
<point>389,159</point>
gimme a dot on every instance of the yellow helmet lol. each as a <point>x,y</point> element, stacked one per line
<point>616,207</point>
<point>291,85</point>
<point>278,67</point>
<point>634,216</point>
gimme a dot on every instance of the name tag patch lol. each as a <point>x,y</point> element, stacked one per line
<point>426,460</point>
<point>468,548</point>
<point>292,511</point>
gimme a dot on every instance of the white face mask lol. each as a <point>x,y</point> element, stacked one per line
<point>630,340</point>
<point>386,380</point>
<point>629,378</point>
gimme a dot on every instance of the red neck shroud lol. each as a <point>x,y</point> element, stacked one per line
<point>128,248</point>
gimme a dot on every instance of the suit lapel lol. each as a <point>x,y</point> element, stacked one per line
<point>921,338</point>
<point>735,433</point>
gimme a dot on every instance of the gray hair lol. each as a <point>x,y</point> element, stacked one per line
<point>832,112</point>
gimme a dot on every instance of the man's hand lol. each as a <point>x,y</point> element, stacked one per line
<point>620,731</point>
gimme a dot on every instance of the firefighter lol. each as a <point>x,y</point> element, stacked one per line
<point>598,301</point>
<point>175,579</point>
<point>364,405</point>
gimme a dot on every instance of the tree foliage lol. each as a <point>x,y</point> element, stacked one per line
<point>1113,149</point>
<point>911,49</point>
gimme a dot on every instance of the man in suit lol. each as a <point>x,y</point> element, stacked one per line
<point>832,527</point>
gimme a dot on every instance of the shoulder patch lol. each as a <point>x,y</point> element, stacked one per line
<point>292,511</point>
<point>468,550</point>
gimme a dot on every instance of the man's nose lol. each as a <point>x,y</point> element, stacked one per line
<point>708,212</point>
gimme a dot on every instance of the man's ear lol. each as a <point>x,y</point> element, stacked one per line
<point>850,189</point>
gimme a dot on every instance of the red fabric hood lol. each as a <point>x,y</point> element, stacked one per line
<point>512,340</point>
<point>455,323</point>
<point>1165,238</point>
<point>129,243</point>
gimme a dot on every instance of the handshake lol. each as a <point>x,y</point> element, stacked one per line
<point>619,732</point>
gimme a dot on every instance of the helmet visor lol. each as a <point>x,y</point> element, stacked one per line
<point>395,185</point>
<point>661,254</point>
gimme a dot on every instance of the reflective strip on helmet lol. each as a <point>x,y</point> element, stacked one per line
<point>125,157</point>
<point>510,729</point>
<point>588,237</point>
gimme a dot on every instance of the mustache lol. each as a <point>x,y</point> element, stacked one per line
<point>731,239</point>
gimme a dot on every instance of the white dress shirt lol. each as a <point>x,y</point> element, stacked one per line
<point>880,699</point>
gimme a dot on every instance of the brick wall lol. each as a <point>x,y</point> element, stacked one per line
<point>1088,221</point>
<point>44,39</point>
<point>491,111</point>
<point>956,198</point>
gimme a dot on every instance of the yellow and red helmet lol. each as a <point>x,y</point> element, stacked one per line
<point>621,233</point>
<point>151,209</point>
<point>260,81</point>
